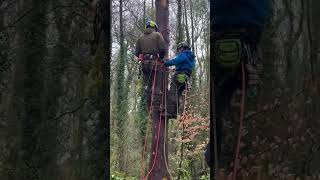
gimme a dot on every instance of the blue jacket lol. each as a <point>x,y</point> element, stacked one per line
<point>228,14</point>
<point>184,61</point>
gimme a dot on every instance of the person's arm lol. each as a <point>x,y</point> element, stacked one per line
<point>177,60</point>
<point>138,48</point>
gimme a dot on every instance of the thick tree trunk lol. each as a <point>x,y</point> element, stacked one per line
<point>104,125</point>
<point>144,12</point>
<point>35,150</point>
<point>159,158</point>
<point>179,37</point>
<point>120,94</point>
<point>162,18</point>
<point>186,26</point>
<point>194,49</point>
<point>192,27</point>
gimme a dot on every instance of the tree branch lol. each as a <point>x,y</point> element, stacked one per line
<point>71,111</point>
<point>17,20</point>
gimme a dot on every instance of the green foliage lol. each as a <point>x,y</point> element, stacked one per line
<point>185,174</point>
<point>141,113</point>
<point>205,177</point>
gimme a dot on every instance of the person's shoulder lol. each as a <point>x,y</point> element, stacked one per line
<point>141,36</point>
<point>155,33</point>
<point>189,54</point>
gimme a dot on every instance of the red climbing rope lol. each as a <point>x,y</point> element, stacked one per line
<point>147,125</point>
<point>157,141</point>
<point>155,152</point>
<point>237,160</point>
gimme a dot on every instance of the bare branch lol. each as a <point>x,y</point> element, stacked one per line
<point>71,111</point>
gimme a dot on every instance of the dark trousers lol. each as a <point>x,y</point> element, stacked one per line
<point>152,82</point>
<point>175,102</point>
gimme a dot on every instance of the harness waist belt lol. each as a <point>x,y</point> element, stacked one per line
<point>150,56</point>
<point>152,62</point>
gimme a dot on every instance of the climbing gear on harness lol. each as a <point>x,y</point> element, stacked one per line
<point>181,78</point>
<point>149,56</point>
<point>140,58</point>
<point>151,24</point>
<point>228,52</point>
<point>150,60</point>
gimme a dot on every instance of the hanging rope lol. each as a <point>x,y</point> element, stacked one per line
<point>163,99</point>
<point>183,127</point>
<point>149,118</point>
<point>237,160</point>
<point>165,128</point>
<point>157,142</point>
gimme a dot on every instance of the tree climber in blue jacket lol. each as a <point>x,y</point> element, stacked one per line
<point>237,26</point>
<point>184,63</point>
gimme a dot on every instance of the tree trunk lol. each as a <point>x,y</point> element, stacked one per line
<point>35,158</point>
<point>193,75</point>
<point>119,91</point>
<point>144,12</point>
<point>186,26</point>
<point>192,27</point>
<point>152,9</point>
<point>179,37</point>
<point>157,166</point>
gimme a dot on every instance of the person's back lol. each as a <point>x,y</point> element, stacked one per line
<point>149,48</point>
<point>230,14</point>
<point>151,42</point>
<point>183,61</point>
